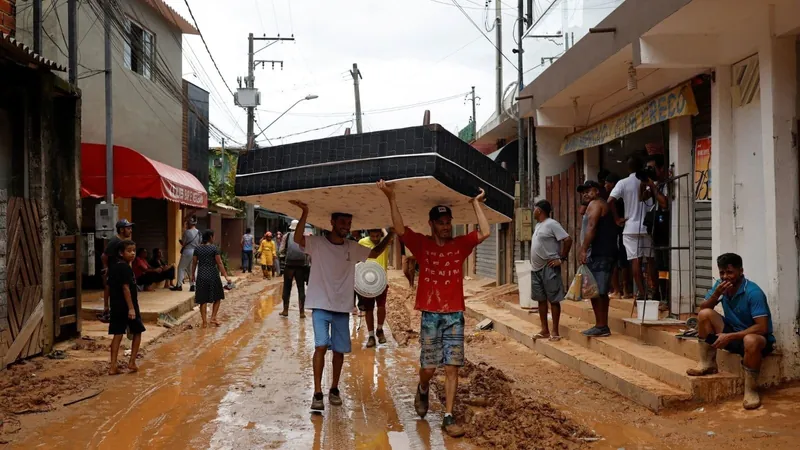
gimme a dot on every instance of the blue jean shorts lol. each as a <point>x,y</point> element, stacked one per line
<point>332,330</point>
<point>441,337</point>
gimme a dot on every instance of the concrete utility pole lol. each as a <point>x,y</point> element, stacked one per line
<point>499,57</point>
<point>72,31</point>
<point>474,117</point>
<point>109,109</point>
<point>357,76</point>
<point>224,176</point>
<point>37,26</point>
<point>250,83</point>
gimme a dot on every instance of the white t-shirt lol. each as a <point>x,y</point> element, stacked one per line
<point>333,275</point>
<point>546,243</point>
<point>628,190</point>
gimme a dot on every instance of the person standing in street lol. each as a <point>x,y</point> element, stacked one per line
<point>550,246</point>
<point>295,270</point>
<point>189,242</point>
<point>125,316</point>
<point>278,242</point>
<point>368,304</point>
<point>267,253</point>
<point>247,251</point>
<point>330,295</point>
<point>440,297</point>
<point>598,252</point>
<point>207,264</point>
<point>109,257</point>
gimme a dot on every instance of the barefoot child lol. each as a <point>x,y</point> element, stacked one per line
<point>124,306</point>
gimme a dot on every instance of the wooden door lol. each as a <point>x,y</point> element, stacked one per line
<point>564,199</point>
<point>25,332</point>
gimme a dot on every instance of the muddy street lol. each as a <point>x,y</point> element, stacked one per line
<point>248,384</point>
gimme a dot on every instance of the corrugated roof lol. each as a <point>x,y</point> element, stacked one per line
<point>172,16</point>
<point>21,53</point>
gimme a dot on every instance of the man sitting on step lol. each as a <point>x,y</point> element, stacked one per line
<point>746,328</point>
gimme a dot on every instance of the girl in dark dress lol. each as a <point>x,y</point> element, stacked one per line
<point>125,315</point>
<point>207,264</point>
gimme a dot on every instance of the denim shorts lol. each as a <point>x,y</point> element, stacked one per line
<point>601,267</point>
<point>441,338</point>
<point>547,284</point>
<point>332,330</point>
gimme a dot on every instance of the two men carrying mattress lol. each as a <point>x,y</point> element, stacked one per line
<point>440,296</point>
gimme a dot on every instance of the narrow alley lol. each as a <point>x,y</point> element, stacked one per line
<point>247,384</point>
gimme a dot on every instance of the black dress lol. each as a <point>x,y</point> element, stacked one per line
<point>208,286</point>
<point>119,275</point>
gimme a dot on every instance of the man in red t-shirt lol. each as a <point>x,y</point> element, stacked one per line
<point>440,297</point>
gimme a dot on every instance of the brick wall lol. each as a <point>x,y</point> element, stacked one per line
<point>8,14</point>
<point>3,238</point>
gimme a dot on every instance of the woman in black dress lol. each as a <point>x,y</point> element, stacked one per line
<point>207,264</point>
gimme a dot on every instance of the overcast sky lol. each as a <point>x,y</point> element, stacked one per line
<point>409,51</point>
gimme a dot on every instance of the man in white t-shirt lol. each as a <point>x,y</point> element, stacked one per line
<point>330,294</point>
<point>638,244</point>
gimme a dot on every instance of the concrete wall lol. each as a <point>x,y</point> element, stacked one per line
<point>681,206</point>
<point>548,143</point>
<point>145,118</point>
<point>755,182</point>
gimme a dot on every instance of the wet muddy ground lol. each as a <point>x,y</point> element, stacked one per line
<point>248,385</point>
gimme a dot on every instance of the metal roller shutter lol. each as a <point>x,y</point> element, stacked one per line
<point>703,264</point>
<point>486,256</point>
<point>150,224</point>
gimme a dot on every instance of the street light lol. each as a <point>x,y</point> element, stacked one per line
<point>307,97</point>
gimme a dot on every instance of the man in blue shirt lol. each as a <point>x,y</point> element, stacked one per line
<point>746,328</point>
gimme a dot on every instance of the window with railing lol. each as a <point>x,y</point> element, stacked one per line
<point>557,26</point>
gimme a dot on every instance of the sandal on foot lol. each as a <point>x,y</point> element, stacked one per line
<point>554,338</point>
<point>541,336</point>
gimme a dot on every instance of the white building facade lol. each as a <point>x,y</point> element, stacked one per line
<point>682,78</point>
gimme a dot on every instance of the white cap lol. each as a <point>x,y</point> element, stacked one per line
<point>293,225</point>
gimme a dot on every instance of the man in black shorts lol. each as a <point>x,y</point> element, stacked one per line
<point>109,257</point>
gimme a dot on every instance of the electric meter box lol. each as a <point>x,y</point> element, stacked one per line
<point>105,220</point>
<point>247,97</point>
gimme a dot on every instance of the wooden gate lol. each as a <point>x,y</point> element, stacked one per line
<point>25,332</point>
<point>562,196</point>
<point>67,261</point>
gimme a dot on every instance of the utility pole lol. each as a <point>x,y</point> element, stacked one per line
<point>252,101</point>
<point>526,193</point>
<point>224,177</point>
<point>109,110</point>
<point>499,57</point>
<point>72,31</point>
<point>357,76</point>
<point>474,117</point>
<point>37,26</point>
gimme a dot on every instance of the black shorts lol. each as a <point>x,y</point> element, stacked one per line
<point>121,325</point>
<point>737,347</point>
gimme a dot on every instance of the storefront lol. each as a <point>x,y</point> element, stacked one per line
<point>646,130</point>
<point>147,192</point>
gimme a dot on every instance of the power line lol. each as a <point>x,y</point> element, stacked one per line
<point>374,111</point>
<point>206,45</point>
<point>313,129</point>
<point>455,3</point>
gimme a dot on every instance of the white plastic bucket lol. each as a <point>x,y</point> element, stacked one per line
<point>647,309</point>
<point>524,269</point>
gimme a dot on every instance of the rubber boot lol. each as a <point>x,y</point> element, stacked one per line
<point>751,398</point>
<point>708,361</point>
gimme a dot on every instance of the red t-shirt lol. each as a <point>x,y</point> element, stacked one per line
<point>140,266</point>
<point>441,280</point>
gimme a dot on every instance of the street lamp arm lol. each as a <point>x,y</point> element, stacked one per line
<point>308,97</point>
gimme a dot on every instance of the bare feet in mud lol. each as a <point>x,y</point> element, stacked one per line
<point>214,322</point>
<point>113,370</point>
<point>133,368</point>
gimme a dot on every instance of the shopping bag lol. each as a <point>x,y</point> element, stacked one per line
<point>583,285</point>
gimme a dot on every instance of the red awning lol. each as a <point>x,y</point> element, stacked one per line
<point>137,176</point>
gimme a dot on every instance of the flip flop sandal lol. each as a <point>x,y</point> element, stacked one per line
<point>541,336</point>
<point>554,338</point>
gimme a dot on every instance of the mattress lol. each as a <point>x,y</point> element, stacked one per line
<point>427,165</point>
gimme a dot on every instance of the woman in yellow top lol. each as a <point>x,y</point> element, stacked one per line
<point>267,252</point>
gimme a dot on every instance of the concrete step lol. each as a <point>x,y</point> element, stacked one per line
<point>664,336</point>
<point>651,360</point>
<point>628,382</point>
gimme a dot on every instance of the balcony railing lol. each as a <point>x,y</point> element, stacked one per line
<point>561,25</point>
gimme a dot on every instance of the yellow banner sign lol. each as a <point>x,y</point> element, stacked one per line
<point>675,103</point>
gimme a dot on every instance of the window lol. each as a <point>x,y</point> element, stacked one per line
<point>139,50</point>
